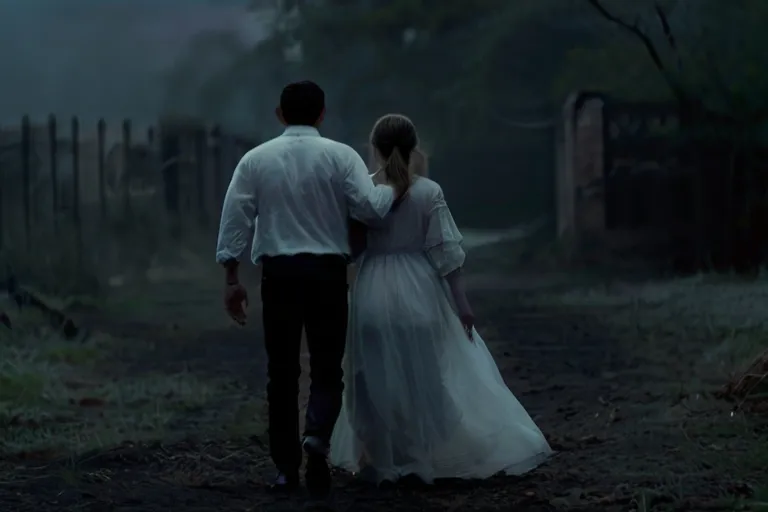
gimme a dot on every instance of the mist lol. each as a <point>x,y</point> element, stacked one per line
<point>96,58</point>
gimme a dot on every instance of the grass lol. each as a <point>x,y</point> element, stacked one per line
<point>58,397</point>
<point>723,321</point>
<point>699,333</point>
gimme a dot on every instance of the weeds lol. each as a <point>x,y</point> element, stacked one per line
<point>55,399</point>
<point>706,338</point>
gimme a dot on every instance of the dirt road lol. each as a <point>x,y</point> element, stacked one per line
<point>629,436</point>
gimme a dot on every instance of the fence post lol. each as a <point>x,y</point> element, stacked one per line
<point>53,155</point>
<point>76,189</point>
<point>154,160</point>
<point>170,152</point>
<point>127,168</point>
<point>217,171</point>
<point>101,142</point>
<point>26,169</point>
<point>200,154</point>
<point>2,210</point>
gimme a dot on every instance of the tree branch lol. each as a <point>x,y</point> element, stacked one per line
<point>682,96</point>
<point>665,26</point>
<point>667,31</point>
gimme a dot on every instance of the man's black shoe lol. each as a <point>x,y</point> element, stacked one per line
<point>318,477</point>
<point>317,474</point>
<point>284,483</point>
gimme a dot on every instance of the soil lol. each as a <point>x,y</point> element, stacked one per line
<point>626,440</point>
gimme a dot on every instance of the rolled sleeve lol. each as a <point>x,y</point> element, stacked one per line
<point>238,213</point>
<point>443,243</point>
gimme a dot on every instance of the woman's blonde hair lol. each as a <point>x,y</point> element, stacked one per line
<point>395,147</point>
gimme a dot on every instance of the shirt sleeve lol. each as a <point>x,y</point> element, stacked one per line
<point>443,243</point>
<point>366,201</point>
<point>238,213</point>
<point>255,241</point>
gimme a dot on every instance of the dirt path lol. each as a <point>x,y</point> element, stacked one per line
<point>627,437</point>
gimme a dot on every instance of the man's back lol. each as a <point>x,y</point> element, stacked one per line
<point>302,188</point>
<point>298,177</point>
<point>299,189</point>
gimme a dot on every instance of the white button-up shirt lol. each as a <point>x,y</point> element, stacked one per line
<point>303,188</point>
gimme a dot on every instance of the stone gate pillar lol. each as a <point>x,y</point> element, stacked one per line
<point>580,169</point>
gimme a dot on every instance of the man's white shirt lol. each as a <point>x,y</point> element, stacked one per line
<point>297,192</point>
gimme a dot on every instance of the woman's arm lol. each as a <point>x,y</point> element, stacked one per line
<point>458,291</point>
<point>443,247</point>
<point>455,282</point>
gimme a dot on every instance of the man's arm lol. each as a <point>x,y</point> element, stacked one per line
<point>367,202</point>
<point>237,218</point>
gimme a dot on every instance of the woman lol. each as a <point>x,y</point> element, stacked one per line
<point>423,395</point>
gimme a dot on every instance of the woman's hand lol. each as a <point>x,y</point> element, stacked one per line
<point>463,309</point>
<point>468,322</point>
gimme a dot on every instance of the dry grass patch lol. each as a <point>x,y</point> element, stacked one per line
<point>56,397</point>
<point>750,388</point>
<point>721,324</point>
<point>694,341</point>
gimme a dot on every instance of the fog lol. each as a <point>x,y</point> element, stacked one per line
<point>143,59</point>
<point>101,58</point>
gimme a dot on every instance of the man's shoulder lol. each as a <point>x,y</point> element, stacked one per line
<point>338,148</point>
<point>252,155</point>
<point>264,147</point>
<point>323,143</point>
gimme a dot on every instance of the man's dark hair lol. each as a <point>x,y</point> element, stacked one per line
<point>302,103</point>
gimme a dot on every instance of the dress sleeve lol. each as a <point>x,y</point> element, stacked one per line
<point>443,241</point>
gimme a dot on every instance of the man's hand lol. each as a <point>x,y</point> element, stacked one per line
<point>235,302</point>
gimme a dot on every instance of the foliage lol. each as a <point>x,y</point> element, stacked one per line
<point>457,65</point>
<point>482,79</point>
<point>604,69</point>
<point>475,77</point>
<point>714,77</point>
<point>448,64</point>
<point>700,51</point>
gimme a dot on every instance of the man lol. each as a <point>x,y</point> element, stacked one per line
<point>304,188</point>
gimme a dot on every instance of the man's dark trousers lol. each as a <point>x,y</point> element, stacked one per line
<point>309,292</point>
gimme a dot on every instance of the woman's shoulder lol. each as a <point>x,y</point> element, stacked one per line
<point>426,185</point>
<point>426,189</point>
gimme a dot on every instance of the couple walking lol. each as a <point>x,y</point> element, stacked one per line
<point>401,382</point>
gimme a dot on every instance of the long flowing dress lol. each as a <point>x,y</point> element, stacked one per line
<point>420,398</point>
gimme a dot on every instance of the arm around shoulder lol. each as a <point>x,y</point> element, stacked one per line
<point>366,201</point>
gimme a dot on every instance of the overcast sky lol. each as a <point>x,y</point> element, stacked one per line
<point>97,58</point>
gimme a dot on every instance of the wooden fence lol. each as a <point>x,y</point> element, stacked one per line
<point>65,179</point>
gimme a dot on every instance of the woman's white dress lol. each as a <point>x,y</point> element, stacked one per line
<point>420,398</point>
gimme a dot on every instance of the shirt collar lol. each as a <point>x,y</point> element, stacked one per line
<point>296,131</point>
